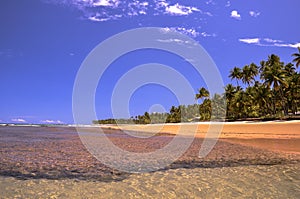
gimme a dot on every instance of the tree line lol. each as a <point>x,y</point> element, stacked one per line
<point>268,90</point>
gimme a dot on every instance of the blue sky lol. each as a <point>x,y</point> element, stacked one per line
<point>44,42</point>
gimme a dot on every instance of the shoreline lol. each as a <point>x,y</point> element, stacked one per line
<point>59,153</point>
<point>241,129</point>
<point>277,135</point>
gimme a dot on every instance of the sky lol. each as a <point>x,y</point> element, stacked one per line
<point>44,42</point>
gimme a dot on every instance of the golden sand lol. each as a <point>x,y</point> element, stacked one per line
<point>275,135</point>
<point>278,181</point>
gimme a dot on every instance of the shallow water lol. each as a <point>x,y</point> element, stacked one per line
<point>279,181</point>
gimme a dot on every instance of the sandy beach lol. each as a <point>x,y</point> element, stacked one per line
<point>278,181</point>
<point>52,162</point>
<point>282,136</point>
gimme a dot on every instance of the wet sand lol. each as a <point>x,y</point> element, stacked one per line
<point>44,162</point>
<point>288,145</point>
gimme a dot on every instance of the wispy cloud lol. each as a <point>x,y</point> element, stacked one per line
<point>18,120</point>
<point>163,7</point>
<point>250,40</point>
<point>296,45</point>
<point>254,14</point>
<point>178,9</point>
<point>269,42</point>
<point>141,13</point>
<point>205,34</point>
<point>51,121</point>
<point>235,15</point>
<point>105,10</point>
<point>187,31</point>
<point>272,40</point>
<point>95,18</point>
<point>111,3</point>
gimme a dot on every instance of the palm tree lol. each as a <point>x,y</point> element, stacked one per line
<point>202,93</point>
<point>230,92</point>
<point>263,98</point>
<point>249,73</point>
<point>253,71</point>
<point>218,103</point>
<point>273,73</point>
<point>292,87</point>
<point>236,74</point>
<point>290,69</point>
<point>205,110</point>
<point>239,104</point>
<point>274,76</point>
<point>175,115</point>
<point>292,92</point>
<point>297,57</point>
<point>245,75</point>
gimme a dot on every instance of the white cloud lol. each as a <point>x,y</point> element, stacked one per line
<point>105,10</point>
<point>296,45</point>
<point>254,14</point>
<point>272,40</point>
<point>161,3</point>
<point>94,18</point>
<point>180,9</point>
<point>142,12</point>
<point>136,8</point>
<point>112,3</point>
<point>52,121</point>
<point>269,42</point>
<point>102,3</point>
<point>235,15</point>
<point>187,31</point>
<point>18,120</point>
<point>250,41</point>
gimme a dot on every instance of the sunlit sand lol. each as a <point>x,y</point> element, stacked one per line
<point>257,134</point>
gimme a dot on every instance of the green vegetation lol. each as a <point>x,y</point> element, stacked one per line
<point>270,90</point>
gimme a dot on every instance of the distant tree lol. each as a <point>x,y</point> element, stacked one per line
<point>235,73</point>
<point>202,93</point>
<point>147,119</point>
<point>274,76</point>
<point>230,92</point>
<point>297,57</point>
<point>205,110</point>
